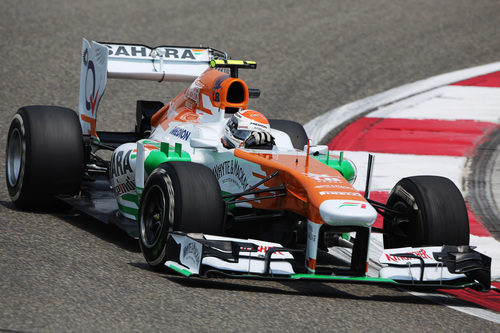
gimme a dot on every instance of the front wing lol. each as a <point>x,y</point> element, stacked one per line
<point>447,267</point>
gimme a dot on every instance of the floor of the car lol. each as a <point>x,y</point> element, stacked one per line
<point>97,200</point>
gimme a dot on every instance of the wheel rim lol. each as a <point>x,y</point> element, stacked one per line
<point>14,157</point>
<point>403,227</point>
<point>401,235</point>
<point>152,217</point>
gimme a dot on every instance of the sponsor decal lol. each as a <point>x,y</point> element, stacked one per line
<point>189,105</point>
<point>311,235</point>
<point>231,169</point>
<point>261,249</point>
<point>217,88</point>
<point>340,187</point>
<point>176,54</point>
<point>198,52</point>
<point>193,93</point>
<point>127,186</point>
<point>90,97</point>
<point>86,57</point>
<point>339,193</point>
<point>322,178</point>
<point>191,254</point>
<point>142,51</point>
<point>120,164</point>
<point>419,253</point>
<point>134,51</point>
<point>353,204</point>
<point>181,133</point>
<point>311,263</point>
<point>259,125</point>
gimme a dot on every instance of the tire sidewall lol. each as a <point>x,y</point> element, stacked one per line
<point>155,253</point>
<point>52,157</point>
<point>17,123</point>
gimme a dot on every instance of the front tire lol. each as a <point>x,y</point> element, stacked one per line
<point>434,214</point>
<point>44,156</point>
<point>178,196</point>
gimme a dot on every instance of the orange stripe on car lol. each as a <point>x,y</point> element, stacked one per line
<point>92,124</point>
<point>258,175</point>
<point>311,263</point>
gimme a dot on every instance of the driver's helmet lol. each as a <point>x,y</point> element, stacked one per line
<point>239,127</point>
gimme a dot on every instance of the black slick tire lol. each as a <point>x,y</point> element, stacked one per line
<point>435,214</point>
<point>295,131</point>
<point>44,156</point>
<point>178,196</point>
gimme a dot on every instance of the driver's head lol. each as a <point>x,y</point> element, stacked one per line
<point>239,127</point>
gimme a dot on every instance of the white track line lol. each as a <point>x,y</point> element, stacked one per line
<point>320,126</point>
<point>390,168</point>
<point>447,103</point>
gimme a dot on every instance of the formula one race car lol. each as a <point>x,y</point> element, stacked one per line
<point>210,188</point>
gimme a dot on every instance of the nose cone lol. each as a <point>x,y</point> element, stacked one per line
<point>347,212</point>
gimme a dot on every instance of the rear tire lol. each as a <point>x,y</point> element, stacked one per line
<point>295,131</point>
<point>44,156</point>
<point>178,196</point>
<point>436,214</point>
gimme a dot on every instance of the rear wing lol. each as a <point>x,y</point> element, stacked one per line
<point>100,61</point>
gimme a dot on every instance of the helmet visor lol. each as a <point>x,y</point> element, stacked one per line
<point>240,134</point>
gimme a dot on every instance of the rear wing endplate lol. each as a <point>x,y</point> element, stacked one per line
<point>100,61</point>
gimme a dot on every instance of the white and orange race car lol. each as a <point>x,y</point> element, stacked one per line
<point>212,188</point>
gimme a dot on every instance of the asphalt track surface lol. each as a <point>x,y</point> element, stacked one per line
<point>67,272</point>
